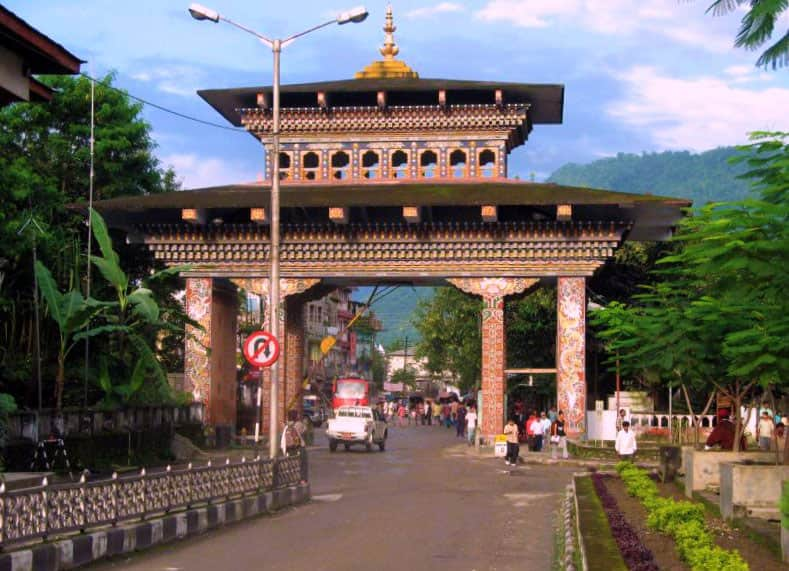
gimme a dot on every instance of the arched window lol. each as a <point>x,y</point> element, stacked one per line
<point>399,164</point>
<point>428,164</point>
<point>371,165</point>
<point>458,164</point>
<point>285,172</point>
<point>310,166</point>
<point>487,163</point>
<point>340,165</point>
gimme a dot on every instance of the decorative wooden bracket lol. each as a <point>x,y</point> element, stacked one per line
<point>381,98</point>
<point>411,214</point>
<point>490,213</point>
<point>564,212</point>
<point>193,215</point>
<point>258,215</point>
<point>263,101</point>
<point>339,214</point>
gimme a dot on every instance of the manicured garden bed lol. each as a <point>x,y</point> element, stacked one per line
<point>601,549</point>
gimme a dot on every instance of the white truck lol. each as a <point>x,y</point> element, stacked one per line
<point>357,425</point>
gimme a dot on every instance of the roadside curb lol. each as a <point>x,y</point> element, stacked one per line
<point>80,550</point>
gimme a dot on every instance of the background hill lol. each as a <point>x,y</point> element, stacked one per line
<point>395,312</point>
<point>704,177</point>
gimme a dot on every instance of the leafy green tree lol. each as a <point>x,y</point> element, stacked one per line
<point>44,166</point>
<point>531,329</point>
<point>378,368</point>
<point>720,317</point>
<point>448,325</point>
<point>406,375</point>
<point>757,28</point>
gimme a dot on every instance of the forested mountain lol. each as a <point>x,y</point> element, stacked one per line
<point>704,177</point>
<point>395,311</point>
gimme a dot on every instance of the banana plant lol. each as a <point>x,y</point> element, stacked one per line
<point>129,320</point>
<point>72,313</point>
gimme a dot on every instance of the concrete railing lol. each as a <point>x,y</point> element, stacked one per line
<point>35,426</point>
<point>48,510</point>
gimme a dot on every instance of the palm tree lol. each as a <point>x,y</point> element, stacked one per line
<point>757,28</point>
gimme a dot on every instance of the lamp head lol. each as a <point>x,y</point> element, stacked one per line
<point>200,12</point>
<point>354,15</point>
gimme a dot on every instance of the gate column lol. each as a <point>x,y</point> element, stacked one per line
<point>494,344</point>
<point>209,359</point>
<point>571,352</point>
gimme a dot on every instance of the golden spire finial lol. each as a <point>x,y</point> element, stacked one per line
<point>389,49</point>
<point>389,67</point>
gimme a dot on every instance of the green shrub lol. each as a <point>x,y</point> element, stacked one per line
<point>684,521</point>
<point>785,506</point>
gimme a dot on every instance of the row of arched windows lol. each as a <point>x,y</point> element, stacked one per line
<point>339,167</point>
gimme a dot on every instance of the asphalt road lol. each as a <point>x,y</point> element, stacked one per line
<point>424,503</point>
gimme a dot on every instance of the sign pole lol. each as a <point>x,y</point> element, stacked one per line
<point>259,411</point>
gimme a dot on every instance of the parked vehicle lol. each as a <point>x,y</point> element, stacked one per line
<point>314,411</point>
<point>357,425</point>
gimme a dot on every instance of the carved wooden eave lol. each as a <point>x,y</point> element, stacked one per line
<point>399,250</point>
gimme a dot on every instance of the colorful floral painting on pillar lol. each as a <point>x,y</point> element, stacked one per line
<point>197,366</point>
<point>571,352</point>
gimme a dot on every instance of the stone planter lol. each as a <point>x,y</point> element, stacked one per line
<point>702,470</point>
<point>751,490</point>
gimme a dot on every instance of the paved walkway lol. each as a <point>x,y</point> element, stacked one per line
<point>423,504</point>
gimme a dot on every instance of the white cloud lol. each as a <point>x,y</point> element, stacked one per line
<point>697,113</point>
<point>611,17</point>
<point>441,8</point>
<point>174,79</point>
<point>195,171</point>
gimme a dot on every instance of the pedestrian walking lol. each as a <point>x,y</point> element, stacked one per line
<point>471,424</point>
<point>529,430</point>
<point>453,411</point>
<point>446,415</point>
<point>626,443</point>
<point>292,440</point>
<point>513,448</point>
<point>402,414</point>
<point>437,413</point>
<point>460,421</point>
<point>428,412</point>
<point>764,431</point>
<point>558,437</point>
<point>537,430</point>
<point>546,430</point>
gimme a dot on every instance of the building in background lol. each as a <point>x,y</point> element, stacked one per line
<point>24,52</point>
<point>426,383</point>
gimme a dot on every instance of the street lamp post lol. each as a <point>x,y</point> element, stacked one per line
<point>355,15</point>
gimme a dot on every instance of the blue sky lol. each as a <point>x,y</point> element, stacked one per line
<point>639,76</point>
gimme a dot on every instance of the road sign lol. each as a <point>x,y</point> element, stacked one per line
<point>261,349</point>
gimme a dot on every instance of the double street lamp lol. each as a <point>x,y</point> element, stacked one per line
<point>355,15</point>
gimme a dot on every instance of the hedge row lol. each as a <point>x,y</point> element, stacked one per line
<point>682,520</point>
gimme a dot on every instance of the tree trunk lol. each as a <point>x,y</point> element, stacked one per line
<point>60,380</point>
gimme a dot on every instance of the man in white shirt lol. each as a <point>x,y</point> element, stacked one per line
<point>546,430</point>
<point>626,442</point>
<point>537,430</point>
<point>764,431</point>
<point>471,424</point>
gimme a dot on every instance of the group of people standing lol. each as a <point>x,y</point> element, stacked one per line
<point>453,414</point>
<point>540,431</point>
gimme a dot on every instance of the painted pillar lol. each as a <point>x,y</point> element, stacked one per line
<point>210,355</point>
<point>294,356</point>
<point>197,370</point>
<point>494,354</point>
<point>494,344</point>
<point>223,381</point>
<point>571,352</point>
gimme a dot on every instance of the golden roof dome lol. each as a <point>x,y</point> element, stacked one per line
<point>389,67</point>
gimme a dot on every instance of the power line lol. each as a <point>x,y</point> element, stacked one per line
<point>165,109</point>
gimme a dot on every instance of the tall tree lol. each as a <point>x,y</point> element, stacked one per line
<point>720,317</point>
<point>44,166</point>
